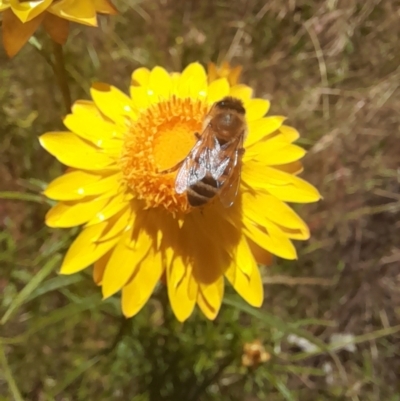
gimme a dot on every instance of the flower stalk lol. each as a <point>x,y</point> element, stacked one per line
<point>61,75</point>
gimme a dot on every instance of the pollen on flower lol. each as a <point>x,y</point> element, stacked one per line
<point>161,137</point>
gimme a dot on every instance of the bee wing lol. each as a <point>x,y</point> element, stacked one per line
<point>233,172</point>
<point>197,163</point>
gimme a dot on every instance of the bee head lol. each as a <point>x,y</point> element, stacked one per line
<point>231,103</point>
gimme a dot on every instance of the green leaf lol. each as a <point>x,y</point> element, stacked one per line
<point>32,285</point>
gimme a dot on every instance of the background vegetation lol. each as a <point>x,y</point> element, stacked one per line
<point>332,66</point>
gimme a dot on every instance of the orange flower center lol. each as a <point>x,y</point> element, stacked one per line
<point>162,137</point>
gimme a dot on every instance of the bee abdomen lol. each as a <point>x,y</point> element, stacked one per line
<point>202,191</point>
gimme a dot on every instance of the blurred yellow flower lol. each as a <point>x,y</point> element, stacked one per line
<point>254,354</point>
<point>21,18</point>
<point>136,228</point>
<point>232,74</point>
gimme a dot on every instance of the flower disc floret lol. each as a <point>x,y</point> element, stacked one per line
<point>161,137</point>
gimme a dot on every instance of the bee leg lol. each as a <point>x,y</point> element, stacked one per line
<point>241,151</point>
<point>197,135</point>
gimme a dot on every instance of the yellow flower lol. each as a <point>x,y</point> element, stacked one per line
<point>21,18</point>
<point>224,71</point>
<point>254,354</point>
<point>136,228</point>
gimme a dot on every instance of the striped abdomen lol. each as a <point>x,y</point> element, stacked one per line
<point>204,190</point>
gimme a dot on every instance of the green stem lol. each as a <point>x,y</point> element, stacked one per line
<point>8,377</point>
<point>61,75</point>
<point>21,196</point>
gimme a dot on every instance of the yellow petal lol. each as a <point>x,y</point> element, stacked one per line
<point>212,72</point>
<point>268,145</point>
<point>105,7</point>
<point>87,122</point>
<point>99,267</point>
<point>193,82</point>
<point>193,288</point>
<point>82,106</point>
<point>71,214</point>
<point>70,185</point>
<point>284,155</point>
<point>118,202</point>
<point>140,98</point>
<point>178,279</point>
<point>290,133</point>
<point>234,74</point>
<point>182,286</point>
<point>15,33</point>
<point>79,184</point>
<point>243,257</point>
<point>207,266</point>
<point>262,128</point>
<point>82,12</point>
<point>124,262</point>
<point>69,149</point>
<point>298,191</point>
<point>84,250</point>
<point>286,187</point>
<point>113,103</point>
<point>140,77</point>
<point>137,292</point>
<point>175,80</point>
<point>242,92</point>
<point>159,84</point>
<point>291,168</point>
<point>273,241</point>
<point>56,27</point>
<point>224,71</point>
<point>293,233</point>
<point>248,286</point>
<point>209,298</point>
<point>264,209</point>
<point>217,90</point>
<point>256,108</point>
<point>27,11</point>
<point>262,256</point>
<point>274,151</point>
<point>118,223</point>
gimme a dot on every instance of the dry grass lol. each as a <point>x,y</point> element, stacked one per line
<point>332,67</point>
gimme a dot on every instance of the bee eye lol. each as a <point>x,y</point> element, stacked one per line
<point>221,104</point>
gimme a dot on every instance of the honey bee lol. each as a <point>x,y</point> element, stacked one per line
<point>213,166</point>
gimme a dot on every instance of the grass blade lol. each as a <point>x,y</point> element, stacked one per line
<point>5,371</point>
<point>24,294</point>
<point>372,336</point>
<point>54,317</point>
<point>72,376</point>
<point>281,387</point>
<point>55,283</point>
<point>22,196</point>
<point>275,322</point>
